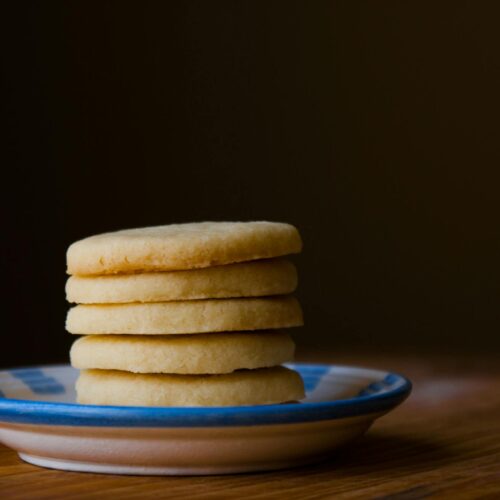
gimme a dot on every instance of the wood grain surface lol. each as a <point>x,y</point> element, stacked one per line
<point>443,442</point>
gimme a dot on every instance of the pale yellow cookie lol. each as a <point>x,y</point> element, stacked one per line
<point>246,279</point>
<point>241,388</point>
<point>209,353</point>
<point>181,246</point>
<point>189,316</point>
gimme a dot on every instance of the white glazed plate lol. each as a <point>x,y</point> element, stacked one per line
<point>41,421</point>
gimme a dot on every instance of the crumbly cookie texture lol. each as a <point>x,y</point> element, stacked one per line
<point>210,353</point>
<point>246,387</point>
<point>246,279</point>
<point>181,246</point>
<point>190,316</point>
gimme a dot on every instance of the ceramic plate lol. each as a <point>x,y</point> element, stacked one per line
<point>41,421</point>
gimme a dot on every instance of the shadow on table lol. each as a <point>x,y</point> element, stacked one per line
<point>384,454</point>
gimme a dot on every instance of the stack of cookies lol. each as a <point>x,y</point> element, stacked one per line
<point>185,315</point>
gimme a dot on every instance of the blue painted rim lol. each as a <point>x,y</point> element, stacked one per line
<point>72,414</point>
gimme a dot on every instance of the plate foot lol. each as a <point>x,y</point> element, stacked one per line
<point>140,470</point>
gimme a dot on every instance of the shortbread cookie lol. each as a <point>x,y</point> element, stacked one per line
<point>246,279</point>
<point>189,316</point>
<point>181,246</point>
<point>209,353</point>
<point>246,387</point>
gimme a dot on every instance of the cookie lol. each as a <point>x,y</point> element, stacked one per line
<point>246,279</point>
<point>189,316</point>
<point>246,387</point>
<point>209,353</point>
<point>181,246</point>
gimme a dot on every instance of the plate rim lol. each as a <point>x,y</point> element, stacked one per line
<point>23,411</point>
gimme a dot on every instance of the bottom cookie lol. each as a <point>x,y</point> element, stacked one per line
<point>241,388</point>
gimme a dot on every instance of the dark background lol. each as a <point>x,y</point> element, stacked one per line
<point>372,126</point>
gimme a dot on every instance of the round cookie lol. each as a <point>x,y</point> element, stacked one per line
<point>246,387</point>
<point>246,279</point>
<point>181,246</point>
<point>188,316</point>
<point>210,353</point>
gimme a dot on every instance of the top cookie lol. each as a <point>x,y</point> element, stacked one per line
<point>181,246</point>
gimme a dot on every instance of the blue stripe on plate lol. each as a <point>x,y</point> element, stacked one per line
<point>396,390</point>
<point>37,381</point>
<point>313,377</point>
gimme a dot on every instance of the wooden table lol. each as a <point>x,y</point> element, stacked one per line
<point>443,442</point>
